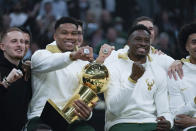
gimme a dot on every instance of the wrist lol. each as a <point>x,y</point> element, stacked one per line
<point>133,77</point>
<point>132,80</point>
<point>100,59</point>
<point>5,82</point>
<point>181,61</point>
<point>71,56</point>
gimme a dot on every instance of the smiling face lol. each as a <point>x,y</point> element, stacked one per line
<point>66,37</point>
<point>13,45</point>
<point>191,46</point>
<point>139,43</point>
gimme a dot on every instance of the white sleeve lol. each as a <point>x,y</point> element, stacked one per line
<point>161,100</point>
<point>45,61</point>
<point>116,95</point>
<point>111,58</point>
<point>178,104</point>
<point>176,100</point>
<point>164,61</point>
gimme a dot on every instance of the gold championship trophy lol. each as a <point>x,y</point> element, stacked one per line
<point>93,81</point>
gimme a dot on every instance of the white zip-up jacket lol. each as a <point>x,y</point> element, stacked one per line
<point>54,76</point>
<point>142,102</point>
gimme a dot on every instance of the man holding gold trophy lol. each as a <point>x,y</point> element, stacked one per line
<point>64,83</point>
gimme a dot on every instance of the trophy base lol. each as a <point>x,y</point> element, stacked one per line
<point>54,117</point>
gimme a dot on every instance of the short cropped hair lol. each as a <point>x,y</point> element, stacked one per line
<point>138,27</point>
<point>142,18</point>
<point>80,23</point>
<point>184,33</point>
<point>26,31</point>
<point>64,20</point>
<point>5,32</point>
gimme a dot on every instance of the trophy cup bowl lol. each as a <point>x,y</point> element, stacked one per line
<point>93,81</point>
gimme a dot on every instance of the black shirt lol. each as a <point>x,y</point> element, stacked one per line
<point>14,100</point>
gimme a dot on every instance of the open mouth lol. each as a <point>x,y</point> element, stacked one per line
<point>141,49</point>
<point>69,43</point>
<point>19,51</point>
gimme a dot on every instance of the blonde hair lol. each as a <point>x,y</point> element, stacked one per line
<point>4,33</point>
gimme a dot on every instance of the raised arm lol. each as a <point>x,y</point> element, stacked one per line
<point>118,92</point>
<point>45,61</point>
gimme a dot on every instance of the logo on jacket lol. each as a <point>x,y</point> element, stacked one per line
<point>195,100</point>
<point>149,84</point>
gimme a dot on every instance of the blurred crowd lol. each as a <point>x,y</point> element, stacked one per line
<point>106,21</point>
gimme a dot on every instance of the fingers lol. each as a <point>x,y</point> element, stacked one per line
<point>106,50</point>
<point>178,123</point>
<point>161,118</point>
<point>179,70</point>
<point>26,66</point>
<point>162,128</point>
<point>87,53</point>
<point>175,67</point>
<point>169,72</point>
<point>83,53</point>
<point>82,110</point>
<point>17,74</point>
<point>163,124</point>
<point>181,116</point>
<point>137,71</point>
<point>14,75</point>
<point>138,68</point>
<point>172,72</point>
<point>91,54</point>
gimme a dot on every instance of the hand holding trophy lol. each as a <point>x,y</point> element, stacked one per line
<point>94,79</point>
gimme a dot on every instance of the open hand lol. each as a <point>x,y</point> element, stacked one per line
<point>175,67</point>
<point>184,121</point>
<point>82,109</point>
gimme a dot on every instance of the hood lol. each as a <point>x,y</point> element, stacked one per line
<point>4,62</point>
